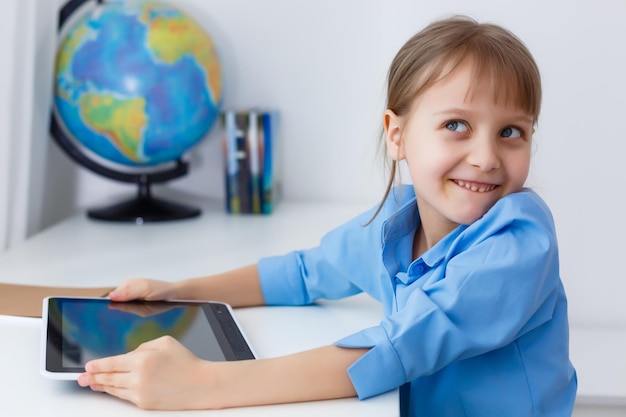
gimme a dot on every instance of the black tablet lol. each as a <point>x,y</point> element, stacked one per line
<point>77,330</point>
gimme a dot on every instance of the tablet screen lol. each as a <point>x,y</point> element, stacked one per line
<point>81,329</point>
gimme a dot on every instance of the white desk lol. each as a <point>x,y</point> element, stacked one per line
<point>81,252</point>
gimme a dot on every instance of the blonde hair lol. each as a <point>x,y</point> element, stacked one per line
<point>499,58</point>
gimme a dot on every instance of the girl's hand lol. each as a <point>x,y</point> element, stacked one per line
<point>162,374</point>
<point>159,374</point>
<point>143,289</point>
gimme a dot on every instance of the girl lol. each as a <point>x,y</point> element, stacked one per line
<point>464,261</point>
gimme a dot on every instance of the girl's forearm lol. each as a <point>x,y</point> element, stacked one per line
<point>316,374</point>
<point>307,376</point>
<point>239,288</point>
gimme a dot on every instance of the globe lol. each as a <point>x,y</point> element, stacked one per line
<point>137,84</point>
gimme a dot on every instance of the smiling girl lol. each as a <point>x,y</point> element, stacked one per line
<point>464,261</point>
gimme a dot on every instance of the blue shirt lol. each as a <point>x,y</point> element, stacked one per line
<point>477,325</point>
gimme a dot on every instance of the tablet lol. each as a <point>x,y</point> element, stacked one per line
<point>76,330</point>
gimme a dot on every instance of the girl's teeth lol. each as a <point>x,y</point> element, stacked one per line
<point>481,189</point>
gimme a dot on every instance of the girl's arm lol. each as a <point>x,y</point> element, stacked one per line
<point>162,374</point>
<point>239,288</point>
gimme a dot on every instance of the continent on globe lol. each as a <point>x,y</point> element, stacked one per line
<point>121,120</point>
<point>138,83</point>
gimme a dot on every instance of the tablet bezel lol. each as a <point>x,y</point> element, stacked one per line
<point>227,331</point>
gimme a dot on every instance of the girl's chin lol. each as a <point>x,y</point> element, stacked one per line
<point>470,216</point>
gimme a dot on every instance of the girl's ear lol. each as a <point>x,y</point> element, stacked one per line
<point>392,124</point>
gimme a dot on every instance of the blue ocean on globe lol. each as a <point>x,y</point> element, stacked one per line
<point>138,83</point>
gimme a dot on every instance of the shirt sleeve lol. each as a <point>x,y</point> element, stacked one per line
<point>500,280</point>
<point>332,270</point>
<point>300,278</point>
<point>346,262</point>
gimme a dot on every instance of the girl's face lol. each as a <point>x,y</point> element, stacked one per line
<point>463,150</point>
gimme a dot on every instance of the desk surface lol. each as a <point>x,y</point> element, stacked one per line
<point>24,392</point>
<point>82,252</point>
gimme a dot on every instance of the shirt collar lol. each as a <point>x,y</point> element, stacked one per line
<point>405,220</point>
<point>437,253</point>
<point>402,221</point>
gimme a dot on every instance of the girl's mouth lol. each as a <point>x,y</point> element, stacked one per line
<point>475,186</point>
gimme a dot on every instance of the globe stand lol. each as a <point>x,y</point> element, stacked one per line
<point>144,208</point>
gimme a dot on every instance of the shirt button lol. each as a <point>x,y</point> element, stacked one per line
<point>419,269</point>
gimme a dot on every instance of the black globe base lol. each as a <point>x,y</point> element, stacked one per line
<point>144,210</point>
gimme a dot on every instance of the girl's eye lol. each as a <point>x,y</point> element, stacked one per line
<point>511,132</point>
<point>456,126</point>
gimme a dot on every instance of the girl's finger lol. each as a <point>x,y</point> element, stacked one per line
<point>119,392</point>
<point>120,363</point>
<point>104,381</point>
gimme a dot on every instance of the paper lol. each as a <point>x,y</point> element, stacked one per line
<point>26,300</point>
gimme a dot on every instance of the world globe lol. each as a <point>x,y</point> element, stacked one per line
<point>137,84</point>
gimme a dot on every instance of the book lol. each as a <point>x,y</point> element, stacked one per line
<point>269,175</point>
<point>249,161</point>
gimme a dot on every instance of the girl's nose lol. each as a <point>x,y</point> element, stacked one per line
<point>484,154</point>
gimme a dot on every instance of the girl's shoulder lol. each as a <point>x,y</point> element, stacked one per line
<point>523,204</point>
<point>519,224</point>
<point>524,209</point>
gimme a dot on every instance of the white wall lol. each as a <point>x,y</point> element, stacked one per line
<point>25,83</point>
<point>7,48</point>
<point>323,64</point>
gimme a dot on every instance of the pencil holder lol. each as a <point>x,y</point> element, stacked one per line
<point>249,154</point>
